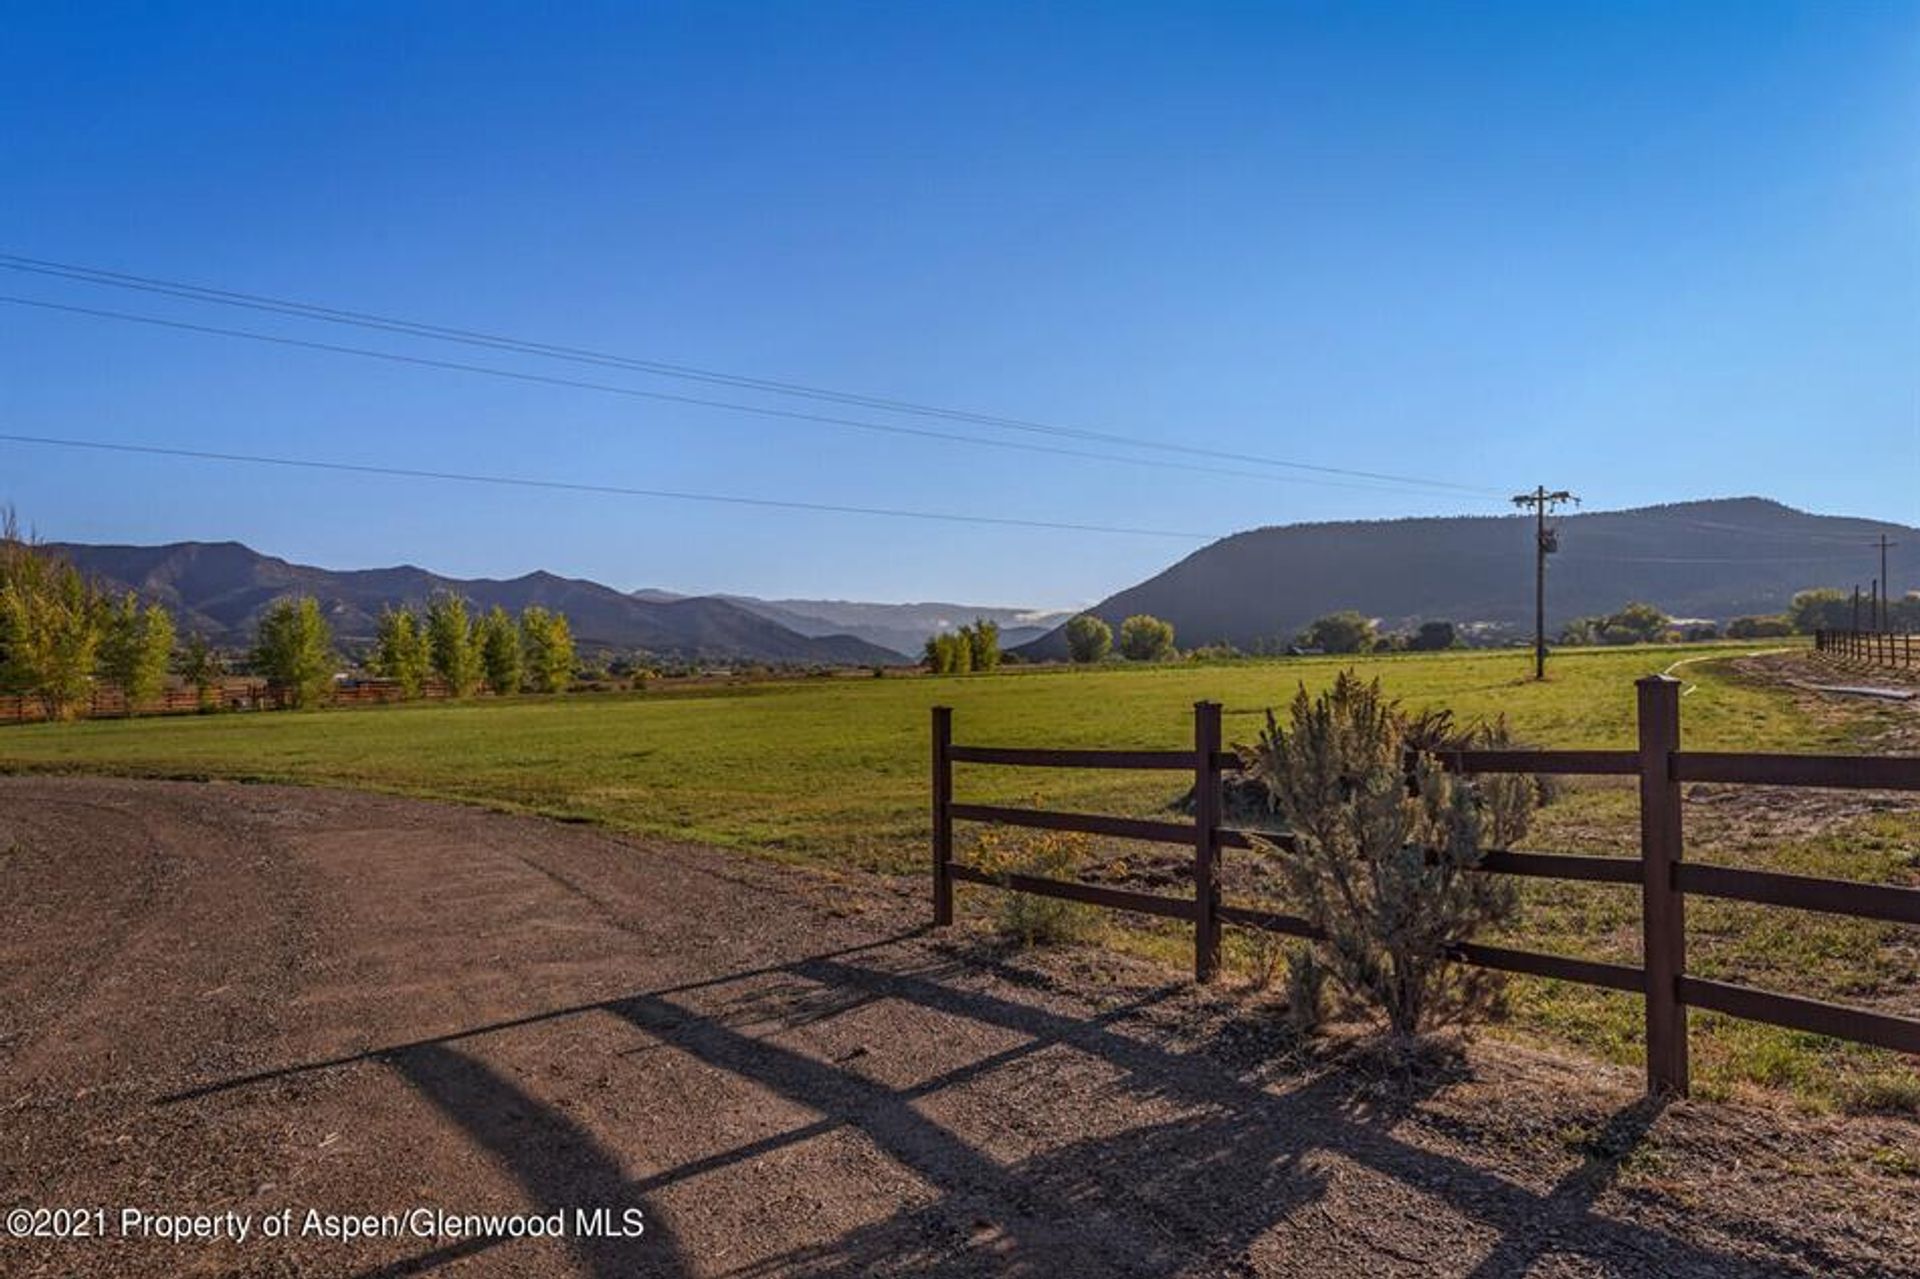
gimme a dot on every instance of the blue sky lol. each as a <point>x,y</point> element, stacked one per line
<point>1645,251</point>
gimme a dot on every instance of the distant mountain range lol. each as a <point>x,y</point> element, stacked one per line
<point>1711,559</point>
<point>903,628</point>
<point>221,588</point>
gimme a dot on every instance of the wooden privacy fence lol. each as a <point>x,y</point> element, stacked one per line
<point>1881,648</point>
<point>1664,877</point>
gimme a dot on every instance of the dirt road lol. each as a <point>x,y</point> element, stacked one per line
<point>256,1000</point>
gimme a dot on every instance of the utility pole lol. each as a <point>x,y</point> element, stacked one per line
<point>1545,542</point>
<point>1886,587</point>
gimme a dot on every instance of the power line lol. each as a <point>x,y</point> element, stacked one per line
<point>887,428</point>
<point>616,490</point>
<point>1581,554</point>
<point>1584,557</point>
<point>1745,531</point>
<point>333,315</point>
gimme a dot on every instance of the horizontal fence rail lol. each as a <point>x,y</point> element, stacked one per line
<point>1072,759</point>
<point>1092,894</point>
<point>1902,1034</point>
<point>1885,902</point>
<point>1542,763</point>
<point>1845,772</point>
<point>1664,878</point>
<point>1081,823</point>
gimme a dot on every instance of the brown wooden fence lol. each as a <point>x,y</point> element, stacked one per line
<point>106,701</point>
<point>1879,648</point>
<point>1663,875</point>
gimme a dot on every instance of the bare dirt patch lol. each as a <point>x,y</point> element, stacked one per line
<point>1736,817</point>
<point>1873,726</point>
<point>222,998</point>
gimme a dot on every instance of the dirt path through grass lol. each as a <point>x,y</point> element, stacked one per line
<point>218,998</point>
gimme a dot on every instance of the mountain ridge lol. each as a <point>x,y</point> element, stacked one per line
<point>1713,558</point>
<point>221,588</point>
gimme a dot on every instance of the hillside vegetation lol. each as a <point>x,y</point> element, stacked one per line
<point>1717,559</point>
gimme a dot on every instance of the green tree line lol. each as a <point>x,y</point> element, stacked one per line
<point>63,635</point>
<point>60,633</point>
<point>971,648</point>
<point>468,652</point>
<point>1143,638</point>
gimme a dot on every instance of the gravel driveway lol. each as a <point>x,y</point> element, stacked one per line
<point>362,1024</point>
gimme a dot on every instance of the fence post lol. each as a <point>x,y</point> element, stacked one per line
<point>942,816</point>
<point>1206,821</point>
<point>1663,907</point>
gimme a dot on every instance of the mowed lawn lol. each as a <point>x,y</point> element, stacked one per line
<point>836,770</point>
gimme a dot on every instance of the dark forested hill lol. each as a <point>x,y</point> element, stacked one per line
<point>220,588</point>
<point>1711,559</point>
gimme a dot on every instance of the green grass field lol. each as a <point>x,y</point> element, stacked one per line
<point>834,772</point>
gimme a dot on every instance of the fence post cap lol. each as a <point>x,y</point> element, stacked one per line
<point>1646,680</point>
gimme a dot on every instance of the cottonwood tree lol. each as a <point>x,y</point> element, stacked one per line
<point>1381,864</point>
<point>1820,609</point>
<point>201,666</point>
<point>1343,632</point>
<point>1432,637</point>
<point>983,643</point>
<point>293,648</point>
<point>500,651</point>
<point>452,645</point>
<point>51,623</point>
<point>1088,638</point>
<point>949,653</point>
<point>400,650</point>
<point>135,647</point>
<point>546,643</point>
<point>1635,624</point>
<point>1761,627</point>
<point>1146,638</point>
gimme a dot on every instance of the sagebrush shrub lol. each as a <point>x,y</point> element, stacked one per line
<point>1382,860</point>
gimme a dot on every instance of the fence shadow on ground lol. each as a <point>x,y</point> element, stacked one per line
<point>1207,1164</point>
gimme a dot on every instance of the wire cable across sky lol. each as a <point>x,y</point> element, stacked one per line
<point>613,490</point>
<point>608,388</point>
<point>473,337</point>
